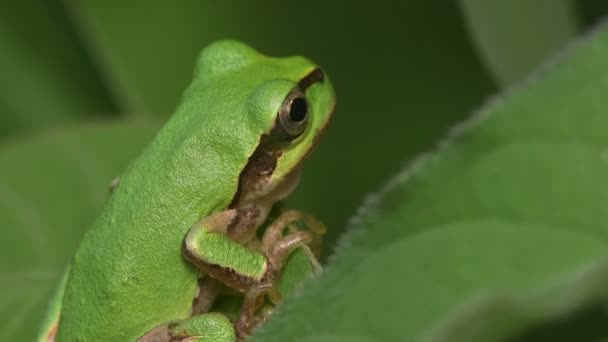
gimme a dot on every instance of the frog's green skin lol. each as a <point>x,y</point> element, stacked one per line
<point>129,274</point>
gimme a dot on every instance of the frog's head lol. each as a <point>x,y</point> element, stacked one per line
<point>288,103</point>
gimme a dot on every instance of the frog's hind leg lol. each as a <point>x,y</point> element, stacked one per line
<point>215,245</point>
<point>209,327</point>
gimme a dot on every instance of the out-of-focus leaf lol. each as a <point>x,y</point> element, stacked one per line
<point>148,49</point>
<point>592,10</point>
<point>46,76</point>
<point>513,37</point>
<point>51,188</point>
<point>502,229</point>
<point>403,72</point>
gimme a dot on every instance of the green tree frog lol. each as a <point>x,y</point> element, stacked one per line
<point>184,216</point>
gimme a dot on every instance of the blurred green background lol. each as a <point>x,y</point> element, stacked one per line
<point>404,71</point>
<point>87,83</point>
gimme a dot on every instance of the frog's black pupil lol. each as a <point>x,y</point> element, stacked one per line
<point>298,110</point>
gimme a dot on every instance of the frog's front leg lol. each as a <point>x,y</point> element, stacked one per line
<point>216,246</point>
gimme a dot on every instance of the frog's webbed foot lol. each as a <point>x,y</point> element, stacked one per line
<point>281,238</point>
<point>285,234</point>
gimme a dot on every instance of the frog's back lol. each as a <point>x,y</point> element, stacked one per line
<point>128,274</point>
<point>129,266</point>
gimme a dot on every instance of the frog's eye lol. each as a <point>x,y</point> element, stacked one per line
<point>293,115</point>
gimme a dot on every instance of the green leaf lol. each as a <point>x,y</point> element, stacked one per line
<point>498,234</point>
<point>514,37</point>
<point>51,188</point>
<point>47,78</point>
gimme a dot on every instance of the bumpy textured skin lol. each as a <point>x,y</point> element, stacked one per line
<point>128,274</point>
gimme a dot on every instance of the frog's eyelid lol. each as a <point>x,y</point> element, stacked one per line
<point>313,77</point>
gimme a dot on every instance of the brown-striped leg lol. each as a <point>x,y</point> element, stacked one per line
<point>231,230</point>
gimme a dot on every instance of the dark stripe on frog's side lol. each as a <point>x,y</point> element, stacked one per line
<point>259,167</point>
<point>263,161</point>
